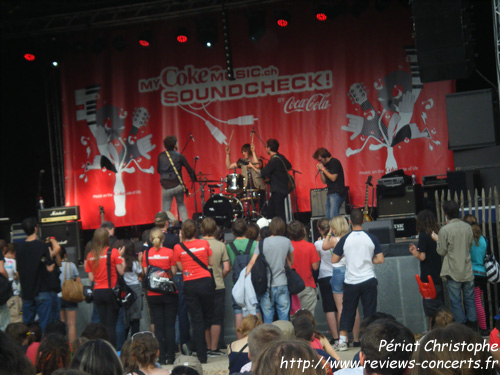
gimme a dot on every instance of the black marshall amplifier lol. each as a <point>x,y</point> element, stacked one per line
<point>58,214</point>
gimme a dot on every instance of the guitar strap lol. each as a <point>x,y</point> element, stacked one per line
<point>177,173</point>
<point>290,178</point>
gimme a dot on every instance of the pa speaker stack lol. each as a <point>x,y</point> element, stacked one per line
<point>444,39</point>
<point>63,224</point>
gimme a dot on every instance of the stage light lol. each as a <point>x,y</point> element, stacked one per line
<point>182,35</point>
<point>55,64</point>
<point>283,18</point>
<point>145,38</point>
<point>256,25</point>
<point>207,32</point>
<point>323,12</point>
<point>29,57</point>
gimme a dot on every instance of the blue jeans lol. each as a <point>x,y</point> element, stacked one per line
<point>4,316</point>
<point>333,203</point>
<point>41,305</point>
<point>280,302</point>
<point>455,290</point>
<point>55,311</point>
<point>121,332</point>
<point>168,196</point>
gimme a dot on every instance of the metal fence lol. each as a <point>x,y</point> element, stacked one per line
<point>486,208</point>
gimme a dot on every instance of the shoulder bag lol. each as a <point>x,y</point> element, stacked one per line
<point>159,280</point>
<point>72,290</point>
<point>202,265</point>
<point>295,282</point>
<point>124,294</point>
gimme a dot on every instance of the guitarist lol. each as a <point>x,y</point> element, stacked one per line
<point>170,164</point>
<point>277,172</point>
<point>332,174</point>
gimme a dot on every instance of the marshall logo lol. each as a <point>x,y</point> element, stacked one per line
<point>57,213</point>
<point>317,102</point>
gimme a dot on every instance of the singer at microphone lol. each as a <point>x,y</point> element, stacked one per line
<point>332,174</point>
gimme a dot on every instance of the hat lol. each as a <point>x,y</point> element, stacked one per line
<point>286,327</point>
<point>263,222</point>
<point>189,361</point>
<point>162,216</point>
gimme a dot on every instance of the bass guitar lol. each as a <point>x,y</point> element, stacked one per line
<point>366,210</point>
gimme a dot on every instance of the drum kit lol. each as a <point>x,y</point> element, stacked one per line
<point>229,199</point>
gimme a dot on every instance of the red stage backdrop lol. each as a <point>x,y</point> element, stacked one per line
<point>346,85</point>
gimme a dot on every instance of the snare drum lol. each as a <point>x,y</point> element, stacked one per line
<point>234,183</point>
<point>224,209</point>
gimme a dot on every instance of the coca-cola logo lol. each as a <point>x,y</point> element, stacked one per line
<point>317,102</point>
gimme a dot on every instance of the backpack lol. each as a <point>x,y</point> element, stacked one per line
<point>259,272</point>
<point>241,260</point>
<point>5,290</point>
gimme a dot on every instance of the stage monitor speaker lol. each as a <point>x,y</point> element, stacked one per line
<point>67,234</point>
<point>443,36</point>
<point>472,119</point>
<point>382,229</point>
<point>407,204</point>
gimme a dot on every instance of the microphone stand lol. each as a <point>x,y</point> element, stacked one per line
<point>193,187</point>
<point>185,145</point>
<point>295,191</point>
<point>39,198</point>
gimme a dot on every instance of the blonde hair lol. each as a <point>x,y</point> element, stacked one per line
<point>248,323</point>
<point>339,226</point>
<point>156,236</point>
<point>99,242</point>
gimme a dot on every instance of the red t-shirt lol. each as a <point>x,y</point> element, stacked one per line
<point>101,273</point>
<point>304,255</point>
<point>190,269</point>
<point>163,258</point>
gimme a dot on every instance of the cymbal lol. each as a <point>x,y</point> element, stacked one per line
<point>207,181</point>
<point>214,186</point>
<point>248,199</point>
<point>204,174</point>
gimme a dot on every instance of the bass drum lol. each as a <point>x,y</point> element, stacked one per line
<point>224,209</point>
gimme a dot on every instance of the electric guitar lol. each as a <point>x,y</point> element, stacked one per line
<point>101,213</point>
<point>366,209</point>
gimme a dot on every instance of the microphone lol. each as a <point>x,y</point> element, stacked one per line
<point>191,136</point>
<point>196,157</point>
<point>252,132</point>
<point>317,173</point>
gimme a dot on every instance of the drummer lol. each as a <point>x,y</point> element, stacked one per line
<point>250,167</point>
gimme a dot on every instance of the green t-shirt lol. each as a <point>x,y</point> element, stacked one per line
<point>240,245</point>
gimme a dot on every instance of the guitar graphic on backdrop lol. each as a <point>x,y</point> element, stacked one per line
<point>397,93</point>
<point>118,153</point>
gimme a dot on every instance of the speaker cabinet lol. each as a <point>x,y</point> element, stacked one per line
<point>443,36</point>
<point>464,181</point>
<point>382,229</point>
<point>472,120</point>
<point>407,204</point>
<point>318,202</point>
<point>67,234</point>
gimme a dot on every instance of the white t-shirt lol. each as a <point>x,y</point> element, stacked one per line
<point>325,266</point>
<point>358,249</point>
<point>11,268</point>
<point>131,277</point>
